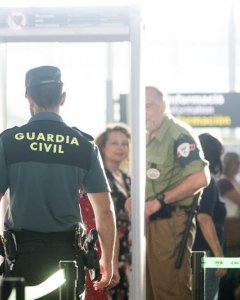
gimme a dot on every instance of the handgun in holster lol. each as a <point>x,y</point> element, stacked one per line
<point>86,244</point>
<point>164,213</point>
<point>8,249</point>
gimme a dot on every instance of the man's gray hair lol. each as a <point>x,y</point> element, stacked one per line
<point>154,89</point>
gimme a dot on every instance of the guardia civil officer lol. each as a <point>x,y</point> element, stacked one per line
<point>175,171</point>
<point>43,163</point>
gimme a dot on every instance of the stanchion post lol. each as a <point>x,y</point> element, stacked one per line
<point>198,276</point>
<point>68,291</point>
<point>10,283</point>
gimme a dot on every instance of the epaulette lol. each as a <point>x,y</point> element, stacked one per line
<point>86,135</point>
<point>6,130</point>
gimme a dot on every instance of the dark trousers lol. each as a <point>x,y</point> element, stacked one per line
<point>229,288</point>
<point>38,258</point>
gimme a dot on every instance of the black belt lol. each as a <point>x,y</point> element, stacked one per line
<point>185,207</point>
<point>29,236</point>
<point>166,212</point>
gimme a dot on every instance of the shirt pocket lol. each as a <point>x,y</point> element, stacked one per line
<point>160,174</point>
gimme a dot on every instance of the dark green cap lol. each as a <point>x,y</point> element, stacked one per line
<point>42,75</point>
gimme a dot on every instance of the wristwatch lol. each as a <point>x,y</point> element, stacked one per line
<point>160,197</point>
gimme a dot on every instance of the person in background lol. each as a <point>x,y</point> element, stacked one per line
<point>88,219</point>
<point>211,216</point>
<point>175,171</point>
<point>43,163</point>
<point>230,190</point>
<point>229,185</point>
<point>114,145</point>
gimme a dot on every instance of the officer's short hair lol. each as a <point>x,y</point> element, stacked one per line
<point>44,85</point>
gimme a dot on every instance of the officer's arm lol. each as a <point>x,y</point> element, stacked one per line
<point>116,275</point>
<point>188,187</point>
<point>191,185</point>
<point>106,226</point>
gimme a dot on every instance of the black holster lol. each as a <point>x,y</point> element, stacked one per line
<point>86,246</point>
<point>164,213</point>
<point>8,249</point>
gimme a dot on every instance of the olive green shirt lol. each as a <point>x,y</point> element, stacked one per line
<point>171,156</point>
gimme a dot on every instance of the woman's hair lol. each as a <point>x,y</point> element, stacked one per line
<point>213,150</point>
<point>228,159</point>
<point>102,139</point>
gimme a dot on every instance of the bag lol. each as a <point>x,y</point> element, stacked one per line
<point>232,232</point>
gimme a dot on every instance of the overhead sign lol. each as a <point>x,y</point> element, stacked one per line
<point>29,23</point>
<point>207,110</point>
<point>16,20</point>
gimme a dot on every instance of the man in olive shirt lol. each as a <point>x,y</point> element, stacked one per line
<point>175,171</point>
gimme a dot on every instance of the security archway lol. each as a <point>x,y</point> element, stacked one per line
<point>89,24</point>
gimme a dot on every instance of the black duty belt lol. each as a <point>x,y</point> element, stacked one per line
<point>166,211</point>
<point>187,208</point>
<point>24,236</point>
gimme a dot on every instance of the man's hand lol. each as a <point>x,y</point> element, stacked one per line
<point>115,279</point>
<point>151,206</point>
<point>106,226</point>
<point>106,269</point>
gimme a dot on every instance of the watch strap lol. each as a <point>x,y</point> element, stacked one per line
<point>160,197</point>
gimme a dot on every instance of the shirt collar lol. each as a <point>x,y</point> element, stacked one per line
<point>46,116</point>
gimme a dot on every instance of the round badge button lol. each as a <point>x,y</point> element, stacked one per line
<point>153,173</point>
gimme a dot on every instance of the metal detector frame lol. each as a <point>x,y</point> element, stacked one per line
<point>92,24</point>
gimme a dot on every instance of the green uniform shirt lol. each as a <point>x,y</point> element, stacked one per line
<point>172,155</point>
<point>43,163</point>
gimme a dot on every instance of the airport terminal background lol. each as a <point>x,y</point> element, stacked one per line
<point>191,49</point>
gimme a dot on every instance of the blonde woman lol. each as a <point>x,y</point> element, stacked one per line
<point>114,145</point>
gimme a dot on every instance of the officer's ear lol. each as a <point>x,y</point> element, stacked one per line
<point>63,98</point>
<point>29,98</point>
<point>31,104</point>
<point>26,94</point>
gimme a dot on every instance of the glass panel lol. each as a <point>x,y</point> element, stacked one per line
<point>84,73</point>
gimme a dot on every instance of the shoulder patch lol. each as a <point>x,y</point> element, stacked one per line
<point>86,135</point>
<point>186,149</point>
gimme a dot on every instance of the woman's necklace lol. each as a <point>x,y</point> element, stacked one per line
<point>120,182</point>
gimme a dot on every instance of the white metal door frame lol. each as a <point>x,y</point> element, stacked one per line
<point>98,24</point>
